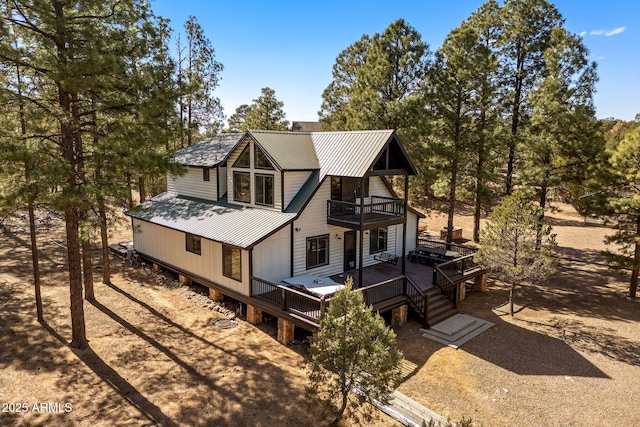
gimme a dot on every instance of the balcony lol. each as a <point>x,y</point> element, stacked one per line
<point>380,212</point>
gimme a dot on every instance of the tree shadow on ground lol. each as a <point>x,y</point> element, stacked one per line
<point>526,352</point>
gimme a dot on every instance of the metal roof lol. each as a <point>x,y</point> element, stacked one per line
<point>289,150</point>
<point>219,221</point>
<point>349,153</point>
<point>209,152</point>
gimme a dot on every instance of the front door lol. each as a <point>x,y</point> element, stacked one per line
<point>349,250</point>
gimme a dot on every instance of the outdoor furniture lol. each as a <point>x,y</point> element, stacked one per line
<point>386,257</point>
<point>431,256</point>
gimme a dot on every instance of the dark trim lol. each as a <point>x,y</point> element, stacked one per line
<point>255,188</point>
<point>266,153</point>
<point>361,256</point>
<point>218,196</point>
<point>190,236</point>
<point>393,136</point>
<point>404,227</point>
<point>250,265</point>
<point>282,206</point>
<point>386,240</point>
<point>388,172</point>
<point>291,249</point>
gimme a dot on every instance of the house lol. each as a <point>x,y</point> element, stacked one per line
<point>258,208</point>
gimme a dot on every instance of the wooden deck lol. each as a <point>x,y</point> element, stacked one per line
<point>421,274</point>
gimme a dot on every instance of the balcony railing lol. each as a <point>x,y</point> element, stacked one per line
<point>380,209</point>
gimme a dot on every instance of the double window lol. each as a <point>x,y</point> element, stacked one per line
<point>317,251</point>
<point>193,243</point>
<point>378,240</point>
<point>232,262</point>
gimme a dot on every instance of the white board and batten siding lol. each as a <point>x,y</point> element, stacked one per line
<point>169,246</point>
<point>277,178</point>
<point>191,184</point>
<point>272,257</point>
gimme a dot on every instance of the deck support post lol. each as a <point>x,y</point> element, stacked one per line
<point>184,279</point>
<point>254,315</point>
<point>399,316</point>
<point>462,292</point>
<point>480,283</point>
<point>215,295</point>
<point>285,331</point>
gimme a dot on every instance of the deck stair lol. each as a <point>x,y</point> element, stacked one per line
<point>440,307</point>
<point>457,330</point>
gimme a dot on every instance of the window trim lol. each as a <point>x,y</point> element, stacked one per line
<point>237,174</point>
<point>206,174</point>
<point>193,243</point>
<point>377,239</point>
<point>258,151</point>
<point>327,249</point>
<point>255,179</point>
<point>246,149</point>
<point>225,273</point>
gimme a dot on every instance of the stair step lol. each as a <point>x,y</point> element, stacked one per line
<point>444,316</point>
<point>438,304</point>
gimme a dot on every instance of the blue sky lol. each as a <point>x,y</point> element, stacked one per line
<point>291,46</point>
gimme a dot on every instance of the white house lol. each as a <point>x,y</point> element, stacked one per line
<point>257,208</point>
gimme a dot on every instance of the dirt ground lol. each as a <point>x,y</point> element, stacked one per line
<point>570,357</point>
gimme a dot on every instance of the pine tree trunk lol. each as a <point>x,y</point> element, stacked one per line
<point>141,189</point>
<point>543,204</point>
<point>633,286</point>
<point>130,190</point>
<point>452,199</point>
<point>87,269</point>
<point>479,193</point>
<point>34,260</point>
<point>104,238</point>
<point>78,332</point>
<point>513,286</point>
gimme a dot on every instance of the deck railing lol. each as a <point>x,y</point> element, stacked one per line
<point>311,307</point>
<point>380,208</point>
<point>288,299</point>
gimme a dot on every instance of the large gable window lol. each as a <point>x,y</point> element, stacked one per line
<point>232,262</point>
<point>242,187</point>
<point>193,244</point>
<point>264,190</point>
<point>317,251</point>
<point>378,240</point>
<point>244,159</point>
<point>261,161</point>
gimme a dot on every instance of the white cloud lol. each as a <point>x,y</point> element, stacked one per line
<point>582,34</point>
<point>608,33</point>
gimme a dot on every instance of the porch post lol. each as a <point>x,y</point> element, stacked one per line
<point>361,232</point>
<point>404,225</point>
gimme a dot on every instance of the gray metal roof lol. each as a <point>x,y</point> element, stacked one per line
<point>209,152</point>
<point>234,225</point>
<point>349,153</point>
<point>289,150</point>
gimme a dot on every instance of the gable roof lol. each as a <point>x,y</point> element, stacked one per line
<point>208,152</point>
<point>235,225</point>
<point>288,150</point>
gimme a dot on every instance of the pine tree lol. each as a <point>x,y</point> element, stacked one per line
<point>509,244</point>
<point>354,358</point>
<point>264,113</point>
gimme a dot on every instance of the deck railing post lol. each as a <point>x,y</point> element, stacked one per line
<point>284,299</point>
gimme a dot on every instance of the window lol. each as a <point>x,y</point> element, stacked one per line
<point>264,190</point>
<point>206,175</point>
<point>243,159</point>
<point>232,262</point>
<point>317,251</point>
<point>193,243</point>
<point>242,187</point>
<point>378,240</point>
<point>261,161</point>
